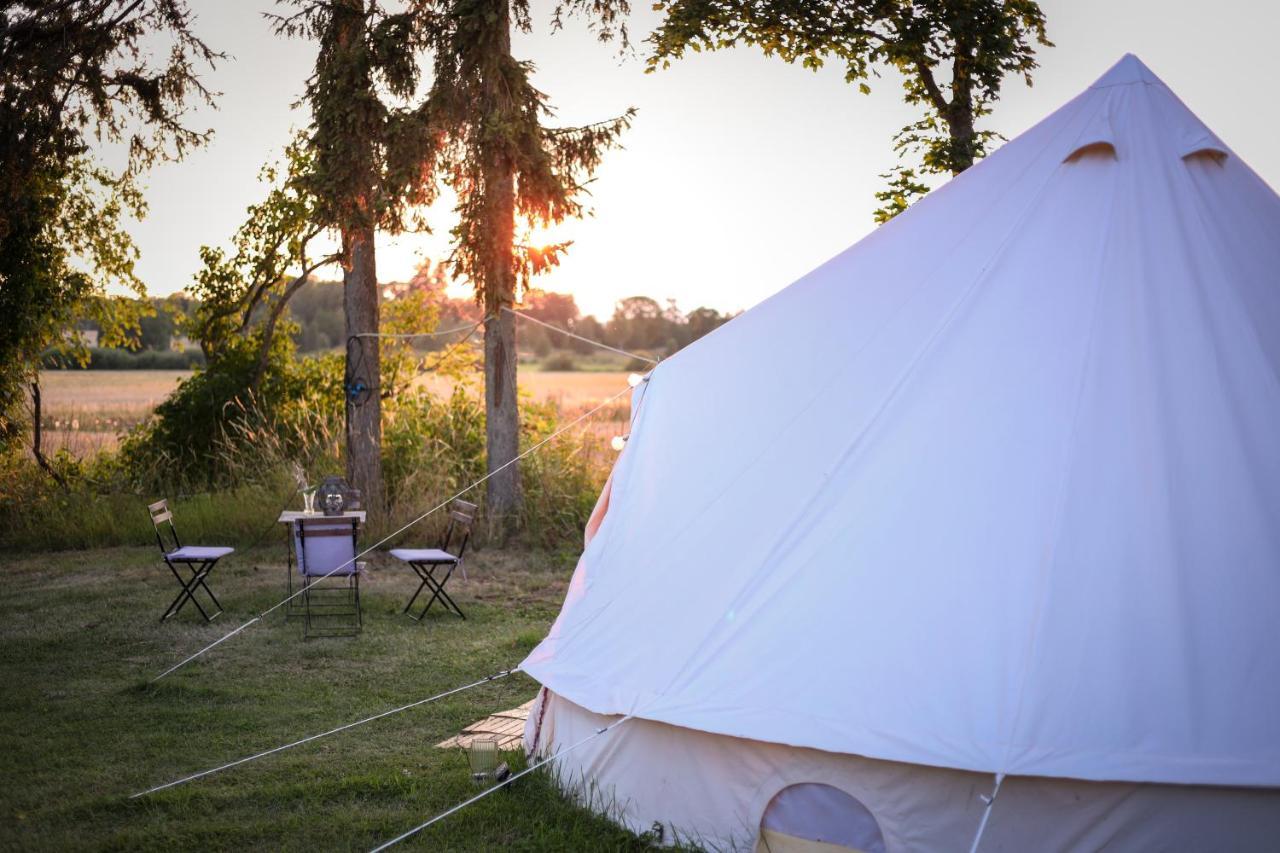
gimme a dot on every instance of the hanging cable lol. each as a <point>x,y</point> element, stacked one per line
<point>426,367</point>
<point>486,792</point>
<point>391,536</point>
<point>437,334</point>
<point>358,390</point>
<point>503,674</point>
<point>579,337</point>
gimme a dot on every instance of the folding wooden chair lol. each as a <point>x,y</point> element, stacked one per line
<point>426,561</point>
<point>199,560</point>
<point>327,550</point>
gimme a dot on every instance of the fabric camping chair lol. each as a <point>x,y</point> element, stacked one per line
<point>199,560</point>
<point>426,561</point>
<point>327,550</point>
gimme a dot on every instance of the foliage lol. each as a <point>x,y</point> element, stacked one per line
<point>953,56</point>
<point>70,72</point>
<point>493,121</point>
<point>373,156</point>
<point>903,187</point>
<point>156,332</point>
<point>122,359</point>
<point>560,361</point>
<point>238,469</point>
<point>242,295</point>
<point>87,67</point>
<point>211,431</point>
<point>640,323</point>
<point>64,247</point>
<point>413,310</point>
<point>317,310</point>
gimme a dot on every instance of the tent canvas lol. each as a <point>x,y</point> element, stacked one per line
<point>994,491</point>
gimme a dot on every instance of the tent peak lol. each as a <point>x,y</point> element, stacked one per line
<point>1129,70</point>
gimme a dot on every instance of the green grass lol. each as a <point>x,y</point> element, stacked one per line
<point>84,519</point>
<point>81,728</point>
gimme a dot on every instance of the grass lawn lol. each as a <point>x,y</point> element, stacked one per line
<point>81,728</point>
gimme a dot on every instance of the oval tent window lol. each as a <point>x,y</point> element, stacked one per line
<point>814,818</point>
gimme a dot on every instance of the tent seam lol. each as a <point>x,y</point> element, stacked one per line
<point>1059,512</point>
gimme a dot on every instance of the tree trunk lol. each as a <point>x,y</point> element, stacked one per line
<point>502,417</point>
<point>502,423</point>
<point>364,403</point>
<point>37,431</point>
<point>960,127</point>
<point>959,113</point>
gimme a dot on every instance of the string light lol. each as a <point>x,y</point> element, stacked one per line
<point>619,442</point>
<point>635,379</point>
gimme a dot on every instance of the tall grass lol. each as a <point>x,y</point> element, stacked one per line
<point>433,447</point>
<point>36,514</point>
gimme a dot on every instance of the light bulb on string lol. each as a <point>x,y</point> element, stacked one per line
<point>634,379</point>
<point>619,442</point>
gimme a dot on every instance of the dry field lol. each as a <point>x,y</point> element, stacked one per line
<point>572,390</point>
<point>86,410</point>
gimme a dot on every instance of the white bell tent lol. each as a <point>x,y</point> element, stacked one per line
<point>989,502</point>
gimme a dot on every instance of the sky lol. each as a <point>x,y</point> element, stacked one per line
<point>739,174</point>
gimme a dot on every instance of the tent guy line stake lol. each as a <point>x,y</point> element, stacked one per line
<point>503,674</point>
<point>579,337</point>
<point>990,801</point>
<point>487,791</point>
<point>579,419</point>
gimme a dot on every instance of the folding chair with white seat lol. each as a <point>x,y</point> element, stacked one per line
<point>199,560</point>
<point>426,561</point>
<point>327,551</point>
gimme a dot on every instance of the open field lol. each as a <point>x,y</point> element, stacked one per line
<point>86,410</point>
<point>81,728</point>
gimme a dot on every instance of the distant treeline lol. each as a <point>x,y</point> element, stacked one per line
<point>638,324</point>
<point>121,359</point>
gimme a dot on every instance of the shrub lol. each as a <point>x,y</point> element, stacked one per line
<point>638,365</point>
<point>218,429</point>
<point>560,361</point>
<point>119,359</point>
<point>225,456</point>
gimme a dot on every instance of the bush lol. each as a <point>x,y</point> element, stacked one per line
<point>560,361</point>
<point>225,456</point>
<point>637,365</point>
<point>119,359</point>
<point>216,429</point>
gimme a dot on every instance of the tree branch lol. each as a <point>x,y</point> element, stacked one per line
<point>269,327</point>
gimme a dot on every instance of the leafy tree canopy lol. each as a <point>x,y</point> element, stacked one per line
<point>72,72</point>
<point>374,148</point>
<point>242,293</point>
<point>953,56</point>
<point>495,122</point>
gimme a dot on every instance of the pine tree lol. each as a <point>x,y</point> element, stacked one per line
<point>373,153</point>
<point>508,168</point>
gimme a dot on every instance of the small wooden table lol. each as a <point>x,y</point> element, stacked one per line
<point>290,517</point>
